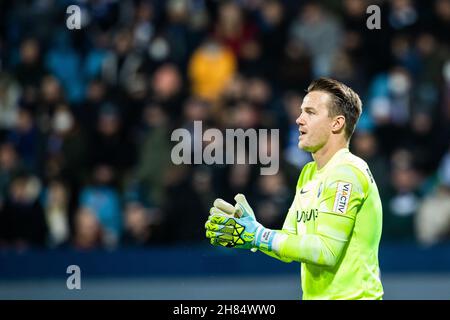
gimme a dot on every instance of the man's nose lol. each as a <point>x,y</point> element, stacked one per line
<point>300,120</point>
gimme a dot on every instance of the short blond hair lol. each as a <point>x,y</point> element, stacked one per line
<point>345,101</point>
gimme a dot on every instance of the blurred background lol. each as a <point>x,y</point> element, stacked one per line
<point>86,118</point>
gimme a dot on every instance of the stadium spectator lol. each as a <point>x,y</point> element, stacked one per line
<point>10,93</point>
<point>432,224</point>
<point>402,198</point>
<point>191,192</point>
<point>31,70</point>
<point>109,144</point>
<point>235,32</point>
<point>103,201</point>
<point>366,146</point>
<point>22,219</point>
<point>88,233</point>
<point>10,166</point>
<point>56,208</point>
<point>65,148</point>
<point>211,67</point>
<point>143,225</point>
<point>295,69</point>
<point>154,155</point>
<point>272,23</point>
<point>121,64</point>
<point>320,33</point>
<point>64,62</point>
<point>167,90</point>
<point>26,139</point>
<point>273,200</point>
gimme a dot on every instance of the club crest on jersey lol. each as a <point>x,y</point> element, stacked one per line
<point>320,190</point>
<point>342,197</point>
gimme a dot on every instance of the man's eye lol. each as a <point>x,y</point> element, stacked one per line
<point>307,112</point>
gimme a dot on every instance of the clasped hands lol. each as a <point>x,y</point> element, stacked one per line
<point>236,226</point>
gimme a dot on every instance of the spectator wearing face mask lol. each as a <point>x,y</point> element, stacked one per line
<point>65,149</point>
<point>390,107</point>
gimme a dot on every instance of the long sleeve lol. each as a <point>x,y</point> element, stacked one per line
<point>331,226</point>
<point>329,221</point>
<point>289,227</point>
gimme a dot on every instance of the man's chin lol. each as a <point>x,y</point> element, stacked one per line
<point>306,147</point>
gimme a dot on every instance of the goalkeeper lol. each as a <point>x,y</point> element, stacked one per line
<point>333,226</point>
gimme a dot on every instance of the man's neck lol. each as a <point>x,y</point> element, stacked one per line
<point>324,154</point>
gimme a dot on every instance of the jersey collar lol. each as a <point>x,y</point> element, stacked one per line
<point>333,159</point>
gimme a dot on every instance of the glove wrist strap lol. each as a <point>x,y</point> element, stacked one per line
<point>264,238</point>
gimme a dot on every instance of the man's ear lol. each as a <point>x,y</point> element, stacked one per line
<point>338,124</point>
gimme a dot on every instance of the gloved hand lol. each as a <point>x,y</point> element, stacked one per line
<point>244,232</point>
<point>221,208</point>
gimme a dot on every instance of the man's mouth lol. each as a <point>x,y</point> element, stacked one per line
<point>302,133</point>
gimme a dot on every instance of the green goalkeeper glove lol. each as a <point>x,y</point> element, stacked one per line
<point>221,207</point>
<point>244,232</point>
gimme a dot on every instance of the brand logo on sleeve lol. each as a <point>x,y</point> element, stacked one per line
<point>342,197</point>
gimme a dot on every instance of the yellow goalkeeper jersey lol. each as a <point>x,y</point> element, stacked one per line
<point>336,216</point>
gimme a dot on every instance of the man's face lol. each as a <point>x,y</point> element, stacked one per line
<point>314,122</point>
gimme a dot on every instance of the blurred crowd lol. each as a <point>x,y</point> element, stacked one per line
<point>86,115</point>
